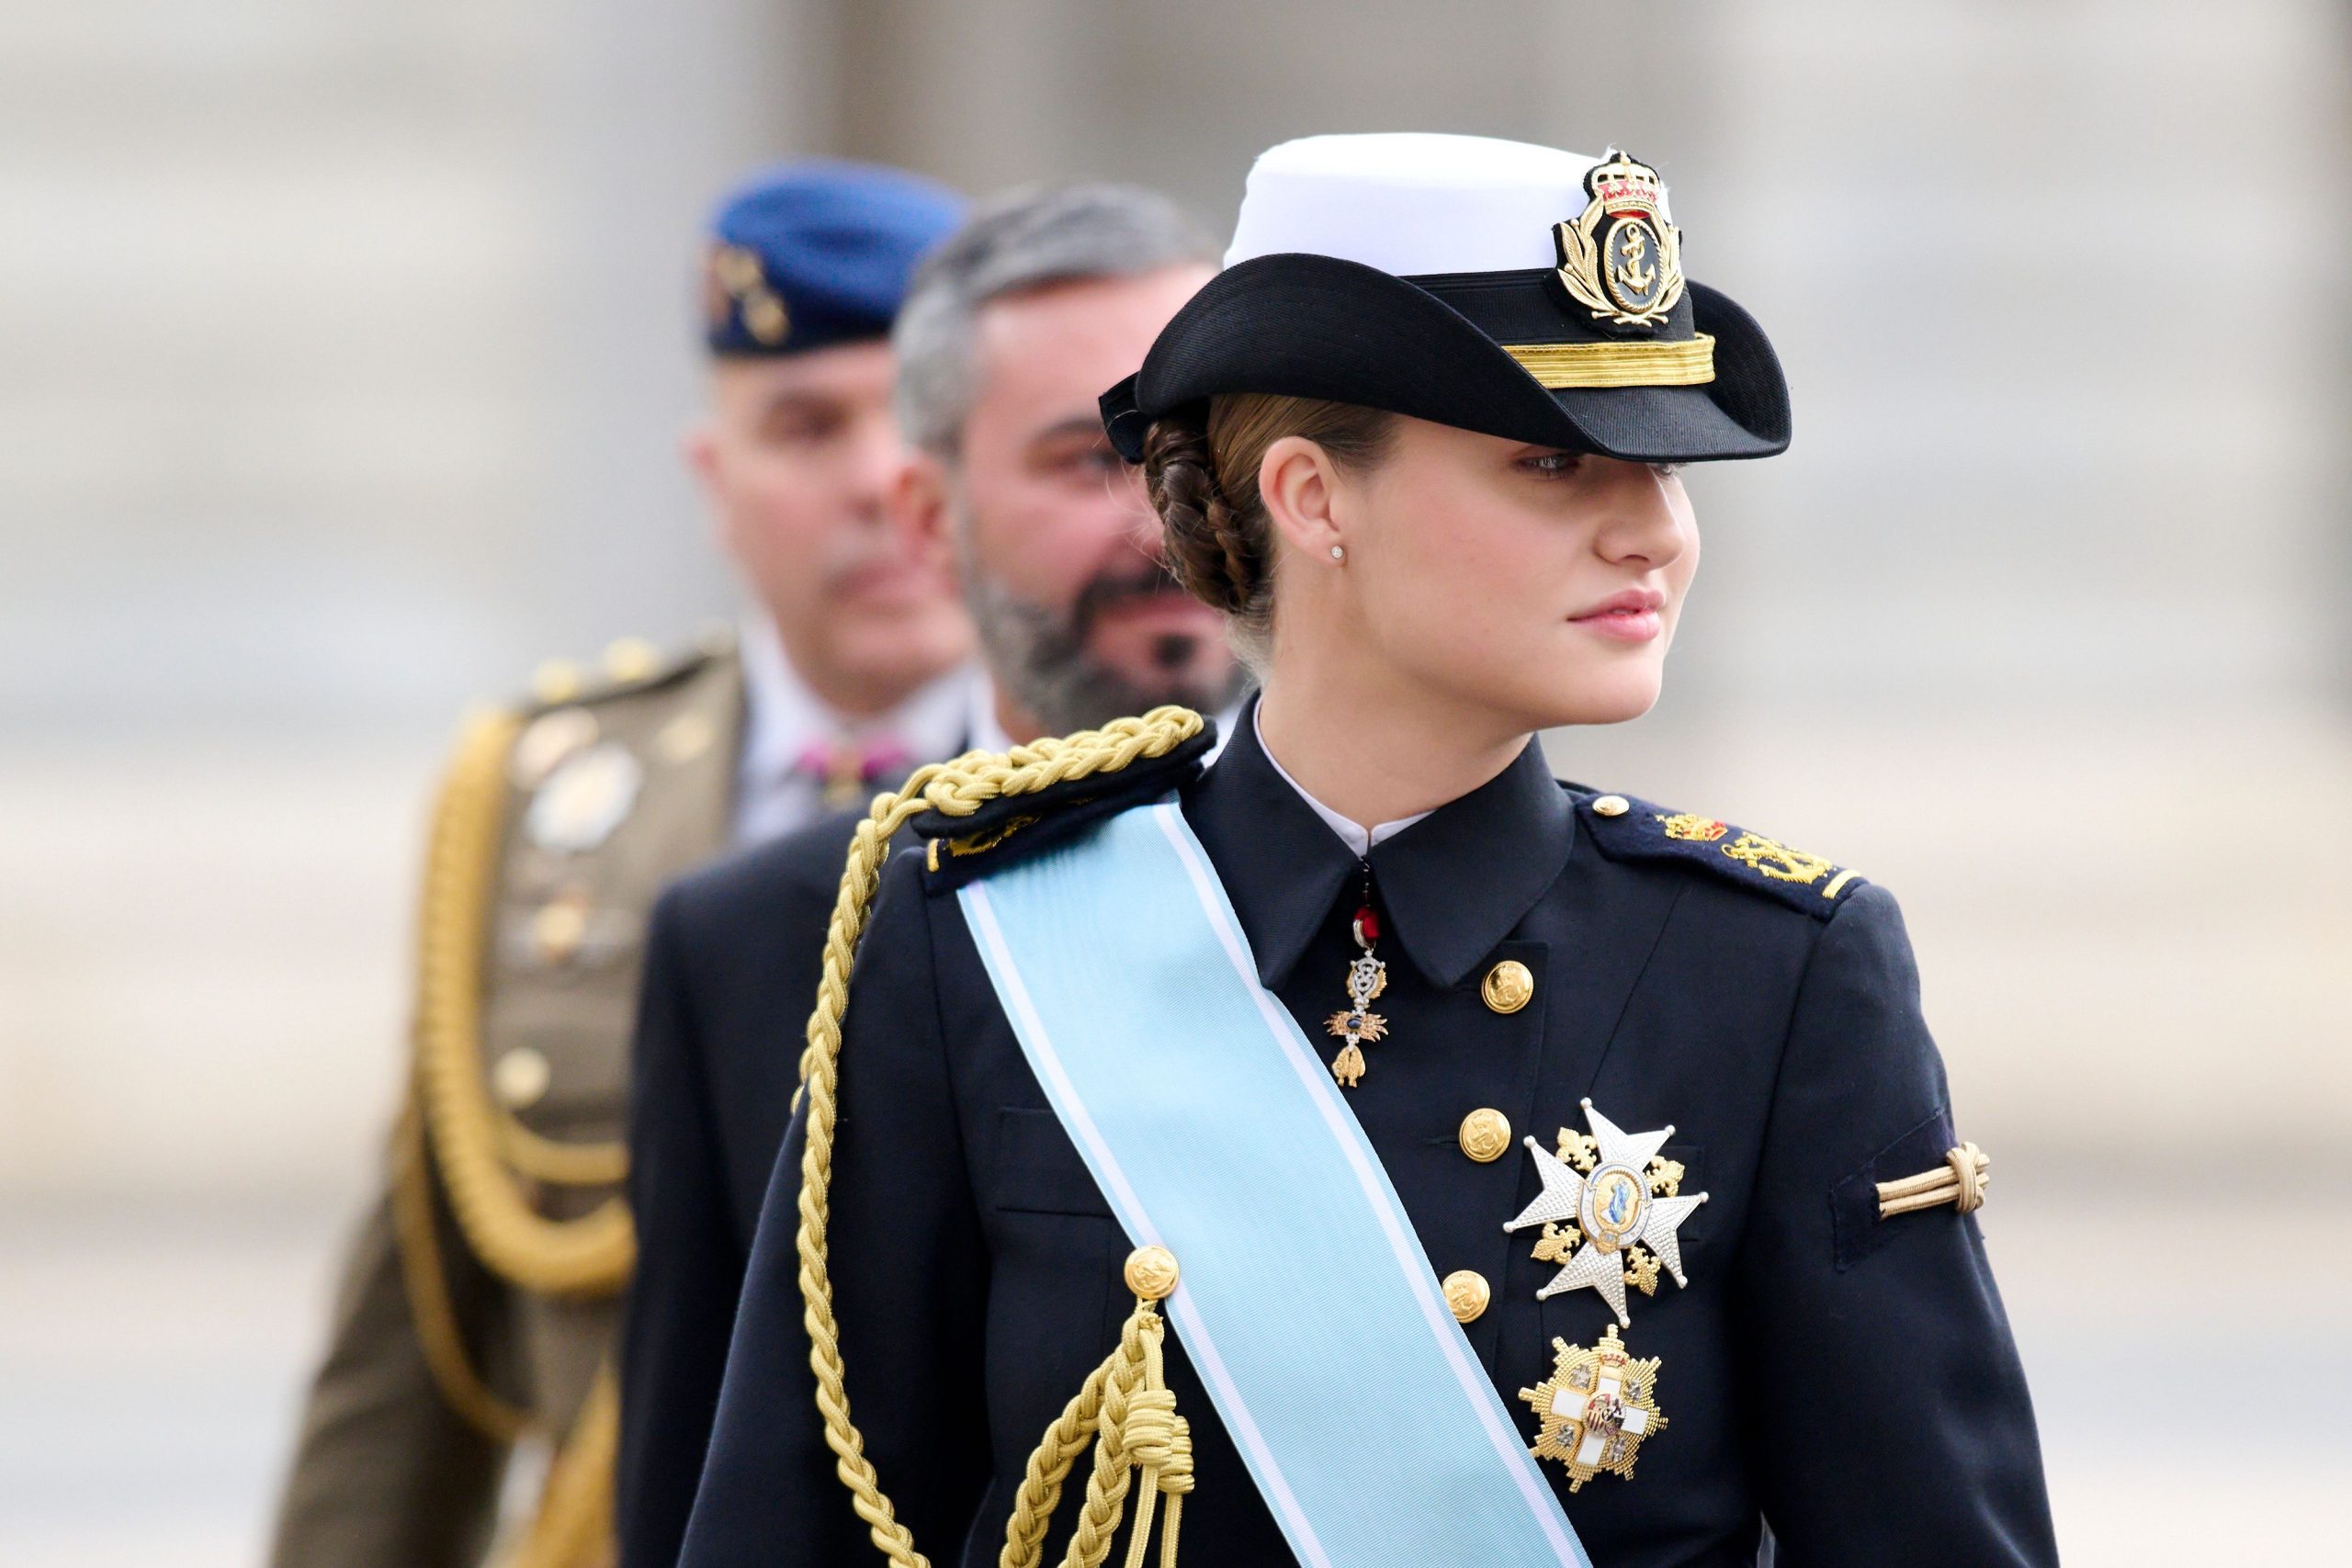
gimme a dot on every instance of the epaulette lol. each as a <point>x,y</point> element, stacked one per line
<point>1625,828</point>
<point>629,665</point>
<point>1013,826</point>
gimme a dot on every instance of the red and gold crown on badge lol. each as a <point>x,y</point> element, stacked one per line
<point>1621,258</point>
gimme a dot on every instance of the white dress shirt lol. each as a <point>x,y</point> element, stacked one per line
<point>1358,838</point>
<point>783,719</point>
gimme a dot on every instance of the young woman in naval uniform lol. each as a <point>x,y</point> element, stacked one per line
<point>1368,1149</point>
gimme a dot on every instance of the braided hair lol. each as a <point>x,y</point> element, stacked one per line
<point>1200,469</point>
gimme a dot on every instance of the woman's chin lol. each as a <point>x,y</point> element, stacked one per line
<point>1612,700</point>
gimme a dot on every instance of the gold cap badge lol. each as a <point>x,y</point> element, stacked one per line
<point>1620,258</point>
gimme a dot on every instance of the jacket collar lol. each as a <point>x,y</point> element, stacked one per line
<point>1449,888</point>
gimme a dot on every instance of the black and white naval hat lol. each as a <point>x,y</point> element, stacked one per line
<point>1517,290</point>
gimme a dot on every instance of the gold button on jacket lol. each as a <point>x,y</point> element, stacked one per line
<point>1485,1134</point>
<point>1466,1294</point>
<point>1507,985</point>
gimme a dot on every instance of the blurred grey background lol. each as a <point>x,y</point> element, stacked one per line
<point>344,348</point>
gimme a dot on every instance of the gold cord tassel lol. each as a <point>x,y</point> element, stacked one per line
<point>955,789</point>
<point>1128,1410</point>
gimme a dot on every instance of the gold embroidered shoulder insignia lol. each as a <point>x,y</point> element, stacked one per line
<point>1631,829</point>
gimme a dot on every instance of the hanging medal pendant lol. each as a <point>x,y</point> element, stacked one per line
<point>1356,1024</point>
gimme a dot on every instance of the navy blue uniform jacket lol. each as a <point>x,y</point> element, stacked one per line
<point>1850,1381</point>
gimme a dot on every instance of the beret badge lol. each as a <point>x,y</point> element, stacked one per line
<point>737,284</point>
<point>1620,257</point>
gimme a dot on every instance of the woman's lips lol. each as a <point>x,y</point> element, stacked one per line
<point>1629,616</point>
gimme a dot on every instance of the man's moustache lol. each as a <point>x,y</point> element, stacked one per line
<point>1107,589</point>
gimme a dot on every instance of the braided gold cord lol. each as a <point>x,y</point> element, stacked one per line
<point>955,789</point>
<point>1107,1483</point>
<point>587,1257</point>
<point>1049,1462</point>
<point>426,1284</point>
<point>604,1164</point>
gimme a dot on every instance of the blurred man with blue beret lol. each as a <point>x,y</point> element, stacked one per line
<point>479,1305</point>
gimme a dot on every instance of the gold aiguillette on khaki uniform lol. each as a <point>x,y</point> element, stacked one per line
<point>507,1245</point>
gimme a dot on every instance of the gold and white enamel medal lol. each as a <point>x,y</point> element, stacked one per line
<point>1356,1023</point>
<point>1594,1410</point>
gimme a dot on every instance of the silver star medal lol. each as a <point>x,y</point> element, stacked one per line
<point>1624,1199</point>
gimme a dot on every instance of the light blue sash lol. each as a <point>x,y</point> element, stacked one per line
<point>1306,1303</point>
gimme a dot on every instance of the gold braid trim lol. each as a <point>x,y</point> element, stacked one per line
<point>573,1527</point>
<point>1960,1181</point>
<point>438,1334</point>
<point>587,1257</point>
<point>955,789</point>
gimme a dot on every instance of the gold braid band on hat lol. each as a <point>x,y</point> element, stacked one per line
<point>1687,362</point>
<point>1121,1407</point>
<point>471,1140</point>
<point>1960,1181</point>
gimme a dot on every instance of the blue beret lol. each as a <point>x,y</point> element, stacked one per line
<point>809,254</point>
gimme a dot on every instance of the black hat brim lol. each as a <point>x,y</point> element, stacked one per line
<point>1313,326</point>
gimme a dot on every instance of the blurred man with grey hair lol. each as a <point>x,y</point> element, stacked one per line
<point>1009,335</point>
<point>1057,549</point>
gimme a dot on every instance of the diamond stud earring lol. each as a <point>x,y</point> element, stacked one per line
<point>1339,552</point>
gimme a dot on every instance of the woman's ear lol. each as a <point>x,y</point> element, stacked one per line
<point>1296,485</point>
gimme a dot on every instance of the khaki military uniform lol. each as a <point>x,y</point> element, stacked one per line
<point>480,1304</point>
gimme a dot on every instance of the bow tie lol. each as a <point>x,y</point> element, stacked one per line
<point>846,768</point>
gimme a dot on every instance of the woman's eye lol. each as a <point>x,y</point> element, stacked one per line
<point>1551,464</point>
<point>1666,470</point>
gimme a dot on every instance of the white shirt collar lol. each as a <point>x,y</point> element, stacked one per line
<point>1359,840</point>
<point>782,718</point>
<point>981,729</point>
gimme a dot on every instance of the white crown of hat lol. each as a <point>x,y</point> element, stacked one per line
<point>1410,202</point>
